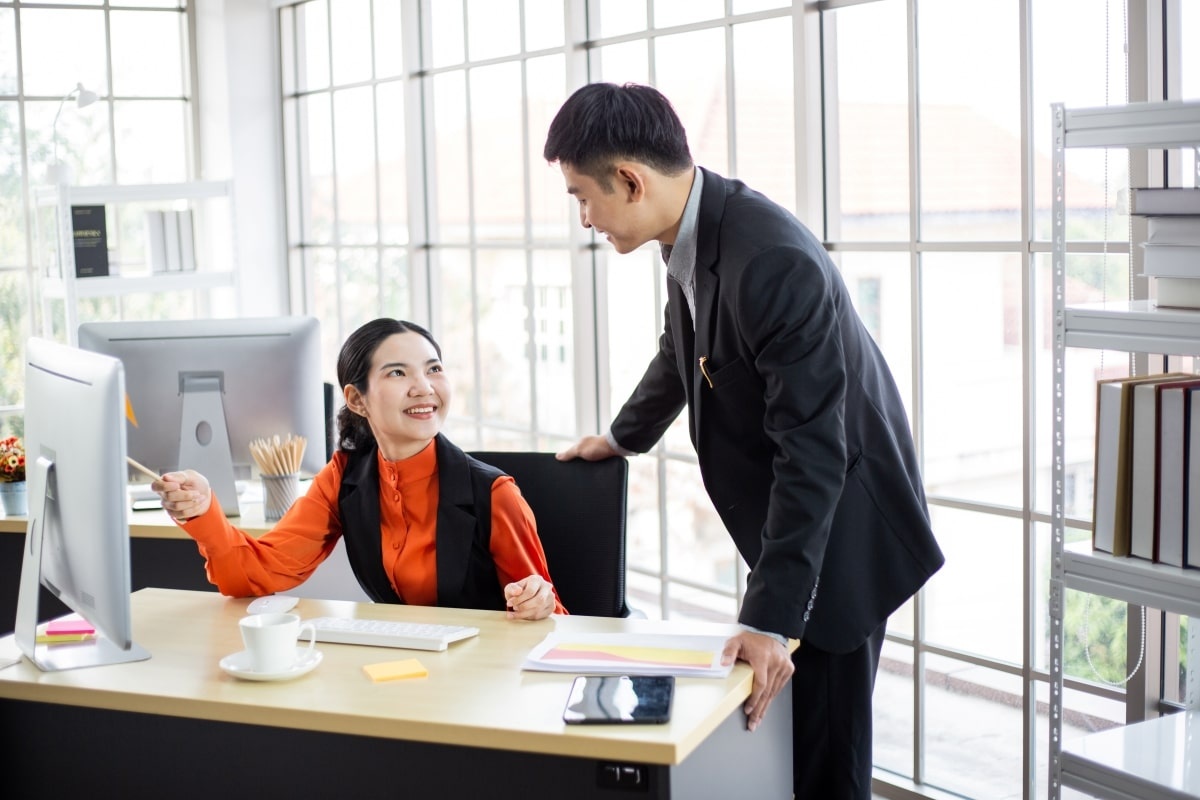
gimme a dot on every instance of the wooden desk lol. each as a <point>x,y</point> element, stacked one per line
<point>478,726</point>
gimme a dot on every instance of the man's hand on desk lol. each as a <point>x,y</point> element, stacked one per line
<point>529,598</point>
<point>772,667</point>
<point>184,494</point>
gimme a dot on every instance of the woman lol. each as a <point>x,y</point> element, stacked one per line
<point>424,523</point>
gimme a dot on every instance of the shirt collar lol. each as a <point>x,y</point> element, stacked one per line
<point>415,467</point>
<point>682,263</point>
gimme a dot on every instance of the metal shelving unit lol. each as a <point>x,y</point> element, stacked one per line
<point>70,289</point>
<point>1158,758</point>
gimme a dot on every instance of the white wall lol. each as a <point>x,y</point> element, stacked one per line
<point>239,122</point>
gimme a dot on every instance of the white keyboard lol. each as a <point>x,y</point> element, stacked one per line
<point>389,633</point>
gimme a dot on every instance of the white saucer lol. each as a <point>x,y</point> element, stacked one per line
<point>238,665</point>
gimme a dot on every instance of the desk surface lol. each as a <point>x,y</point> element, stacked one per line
<point>475,695</point>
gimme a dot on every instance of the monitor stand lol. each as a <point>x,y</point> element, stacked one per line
<point>204,436</point>
<point>51,658</point>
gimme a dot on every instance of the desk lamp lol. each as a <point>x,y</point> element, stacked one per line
<point>83,98</point>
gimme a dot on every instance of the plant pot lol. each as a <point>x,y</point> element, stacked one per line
<point>14,498</point>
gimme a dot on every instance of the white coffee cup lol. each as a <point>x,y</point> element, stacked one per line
<point>270,640</point>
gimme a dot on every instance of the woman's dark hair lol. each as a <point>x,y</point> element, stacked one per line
<point>603,122</point>
<point>354,368</point>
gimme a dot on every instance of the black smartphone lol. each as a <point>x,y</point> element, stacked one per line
<point>620,699</point>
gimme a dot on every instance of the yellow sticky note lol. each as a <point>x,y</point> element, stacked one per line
<point>393,670</point>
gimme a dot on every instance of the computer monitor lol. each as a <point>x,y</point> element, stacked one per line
<point>201,390</point>
<point>77,538</point>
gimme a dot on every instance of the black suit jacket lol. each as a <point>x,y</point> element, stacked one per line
<point>802,437</point>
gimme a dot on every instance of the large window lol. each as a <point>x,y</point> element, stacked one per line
<point>135,58</point>
<point>914,137</point>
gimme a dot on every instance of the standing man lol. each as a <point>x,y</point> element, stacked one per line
<point>802,438</point>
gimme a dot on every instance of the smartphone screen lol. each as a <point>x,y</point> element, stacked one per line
<point>608,699</point>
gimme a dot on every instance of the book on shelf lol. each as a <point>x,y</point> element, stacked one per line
<point>1177,292</point>
<point>1164,201</point>
<point>187,243</point>
<point>1174,403</point>
<point>171,236</point>
<point>156,242</point>
<point>89,232</point>
<point>1182,229</point>
<point>1143,489</point>
<point>1113,463</point>
<point>1171,260</point>
<point>1191,514</point>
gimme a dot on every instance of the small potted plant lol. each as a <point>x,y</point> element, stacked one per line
<point>13,496</point>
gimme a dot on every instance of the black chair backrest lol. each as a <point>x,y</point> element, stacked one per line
<point>580,511</point>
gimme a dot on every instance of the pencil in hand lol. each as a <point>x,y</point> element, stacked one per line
<point>142,468</point>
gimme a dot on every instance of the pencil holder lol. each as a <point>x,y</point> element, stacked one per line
<point>279,492</point>
<point>278,462</point>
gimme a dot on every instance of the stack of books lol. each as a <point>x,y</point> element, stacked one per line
<point>1172,246</point>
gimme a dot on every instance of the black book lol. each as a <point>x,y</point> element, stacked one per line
<point>91,241</point>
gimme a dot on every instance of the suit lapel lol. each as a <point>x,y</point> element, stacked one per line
<point>712,208</point>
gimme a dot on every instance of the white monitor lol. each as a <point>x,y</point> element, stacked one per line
<point>77,539</point>
<point>201,390</point>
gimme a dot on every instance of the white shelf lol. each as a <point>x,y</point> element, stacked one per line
<point>111,285</point>
<point>1132,580</point>
<point>60,281</point>
<point>1152,125</point>
<point>1137,326</point>
<point>1158,758</point>
<point>132,193</point>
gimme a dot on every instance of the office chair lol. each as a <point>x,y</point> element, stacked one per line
<point>580,511</point>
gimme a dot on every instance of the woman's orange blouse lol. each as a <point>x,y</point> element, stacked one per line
<point>241,565</point>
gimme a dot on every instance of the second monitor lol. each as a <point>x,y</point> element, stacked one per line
<point>199,391</point>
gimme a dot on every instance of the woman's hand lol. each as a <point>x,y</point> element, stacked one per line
<point>529,598</point>
<point>184,494</point>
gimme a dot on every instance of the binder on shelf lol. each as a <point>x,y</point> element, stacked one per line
<point>187,241</point>
<point>171,235</point>
<point>1191,514</point>
<point>1164,201</point>
<point>89,232</point>
<point>1113,464</point>
<point>1143,495</point>
<point>156,243</point>
<point>1174,401</point>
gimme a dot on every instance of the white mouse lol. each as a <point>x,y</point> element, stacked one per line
<point>272,604</point>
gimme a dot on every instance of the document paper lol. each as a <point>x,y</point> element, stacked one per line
<point>629,654</point>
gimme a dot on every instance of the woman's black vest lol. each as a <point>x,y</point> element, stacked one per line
<point>466,572</point>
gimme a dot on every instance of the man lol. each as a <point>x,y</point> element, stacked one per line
<point>802,438</point>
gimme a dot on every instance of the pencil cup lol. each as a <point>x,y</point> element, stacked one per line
<point>279,492</point>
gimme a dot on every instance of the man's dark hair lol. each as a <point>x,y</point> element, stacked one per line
<point>602,123</point>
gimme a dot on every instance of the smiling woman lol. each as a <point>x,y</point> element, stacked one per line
<point>400,396</point>
<point>423,522</point>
